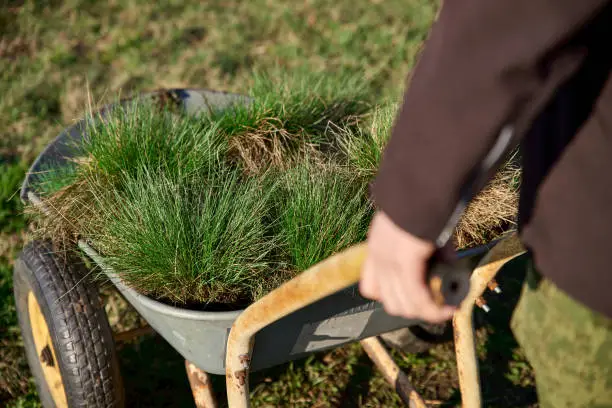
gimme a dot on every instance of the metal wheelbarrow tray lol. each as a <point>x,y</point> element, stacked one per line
<point>201,336</point>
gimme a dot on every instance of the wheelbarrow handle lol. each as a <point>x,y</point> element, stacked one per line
<point>448,278</point>
<point>319,281</point>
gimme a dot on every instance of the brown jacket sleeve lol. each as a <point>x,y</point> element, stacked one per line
<point>482,67</point>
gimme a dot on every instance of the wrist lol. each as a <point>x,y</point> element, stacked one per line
<point>420,247</point>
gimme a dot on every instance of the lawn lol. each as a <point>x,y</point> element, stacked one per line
<point>57,57</point>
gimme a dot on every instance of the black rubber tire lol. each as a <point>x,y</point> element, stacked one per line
<point>418,338</point>
<point>78,328</point>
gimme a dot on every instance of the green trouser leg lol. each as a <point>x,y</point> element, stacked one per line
<point>568,345</point>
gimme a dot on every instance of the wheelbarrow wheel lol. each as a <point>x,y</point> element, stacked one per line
<point>418,338</point>
<point>66,334</point>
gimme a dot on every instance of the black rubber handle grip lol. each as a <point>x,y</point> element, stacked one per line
<point>448,279</point>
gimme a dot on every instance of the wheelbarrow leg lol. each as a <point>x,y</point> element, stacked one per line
<point>465,350</point>
<point>392,373</point>
<point>200,386</point>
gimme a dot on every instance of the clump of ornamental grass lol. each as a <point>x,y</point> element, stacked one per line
<point>492,212</point>
<point>139,136</point>
<point>224,207</point>
<point>363,147</point>
<point>489,215</point>
<point>117,145</point>
<point>54,178</point>
<point>197,238</point>
<point>323,208</point>
<point>199,209</point>
<point>291,116</point>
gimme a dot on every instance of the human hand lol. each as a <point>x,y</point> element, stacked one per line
<point>394,272</point>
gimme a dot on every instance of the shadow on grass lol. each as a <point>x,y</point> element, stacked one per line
<point>358,386</point>
<point>154,374</point>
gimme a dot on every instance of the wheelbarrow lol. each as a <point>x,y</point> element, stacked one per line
<point>70,346</point>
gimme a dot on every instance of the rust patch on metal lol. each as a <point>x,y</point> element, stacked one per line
<point>480,302</point>
<point>493,285</point>
<point>200,387</point>
<point>241,376</point>
<point>245,360</point>
<point>46,357</point>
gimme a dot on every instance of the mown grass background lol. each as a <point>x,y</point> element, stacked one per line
<point>52,52</point>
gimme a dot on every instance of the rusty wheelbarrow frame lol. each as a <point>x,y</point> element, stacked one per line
<point>338,272</point>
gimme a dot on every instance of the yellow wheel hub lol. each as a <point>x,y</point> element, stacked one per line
<point>46,352</point>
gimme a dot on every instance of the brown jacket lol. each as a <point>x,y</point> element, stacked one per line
<point>541,66</point>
